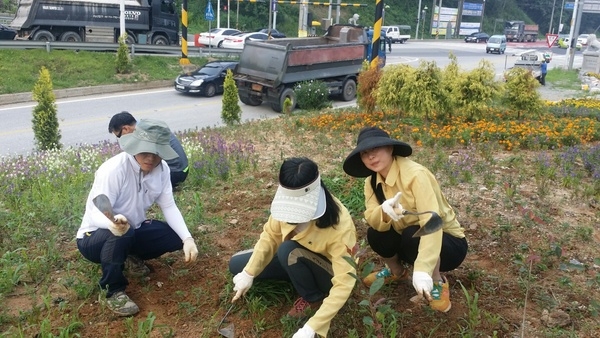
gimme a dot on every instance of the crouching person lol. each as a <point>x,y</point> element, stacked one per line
<point>304,241</point>
<point>114,231</point>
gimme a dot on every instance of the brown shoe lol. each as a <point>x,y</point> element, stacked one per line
<point>302,308</point>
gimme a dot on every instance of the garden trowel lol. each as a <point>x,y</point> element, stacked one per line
<point>229,330</point>
<point>433,224</point>
<point>103,204</point>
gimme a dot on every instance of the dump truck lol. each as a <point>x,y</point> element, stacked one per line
<point>520,32</point>
<point>146,21</point>
<point>268,70</point>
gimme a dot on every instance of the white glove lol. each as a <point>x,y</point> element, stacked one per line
<point>423,284</point>
<point>190,250</point>
<point>119,226</point>
<point>392,208</point>
<point>243,282</point>
<point>305,332</point>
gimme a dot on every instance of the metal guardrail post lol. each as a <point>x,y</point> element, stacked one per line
<point>132,50</point>
<point>111,47</point>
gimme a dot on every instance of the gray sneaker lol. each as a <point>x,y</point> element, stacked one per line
<point>120,304</point>
<point>135,266</point>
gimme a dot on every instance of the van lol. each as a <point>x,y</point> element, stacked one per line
<point>496,44</point>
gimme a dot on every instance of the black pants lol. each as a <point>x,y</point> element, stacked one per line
<point>151,240</point>
<point>543,79</point>
<point>178,177</point>
<point>389,243</point>
<point>309,272</point>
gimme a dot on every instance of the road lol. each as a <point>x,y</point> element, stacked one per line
<point>84,120</point>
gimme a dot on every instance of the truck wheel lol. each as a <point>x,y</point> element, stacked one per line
<point>210,90</point>
<point>288,92</point>
<point>349,90</point>
<point>43,35</point>
<point>70,37</point>
<point>130,39</point>
<point>251,100</point>
<point>160,40</point>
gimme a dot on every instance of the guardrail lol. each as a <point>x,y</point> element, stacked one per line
<point>112,47</point>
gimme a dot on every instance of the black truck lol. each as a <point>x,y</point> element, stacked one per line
<point>146,21</point>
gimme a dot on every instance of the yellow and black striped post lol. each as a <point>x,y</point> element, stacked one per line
<point>184,25</point>
<point>376,33</point>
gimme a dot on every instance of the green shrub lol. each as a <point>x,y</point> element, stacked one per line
<point>477,90</point>
<point>45,120</point>
<point>520,93</point>
<point>412,92</point>
<point>450,85</point>
<point>311,95</point>
<point>123,62</point>
<point>393,92</point>
<point>231,113</point>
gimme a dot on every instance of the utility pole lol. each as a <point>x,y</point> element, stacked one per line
<point>575,22</point>
<point>418,21</point>
<point>437,28</point>
<point>561,16</point>
<point>550,29</point>
<point>482,14</point>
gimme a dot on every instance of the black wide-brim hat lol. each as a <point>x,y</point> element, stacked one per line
<point>369,138</point>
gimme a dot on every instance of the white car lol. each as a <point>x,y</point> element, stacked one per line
<point>237,41</point>
<point>215,36</point>
<point>582,39</point>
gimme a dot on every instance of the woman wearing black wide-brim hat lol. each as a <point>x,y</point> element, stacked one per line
<point>393,184</point>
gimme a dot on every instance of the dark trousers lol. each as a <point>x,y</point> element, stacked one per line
<point>178,177</point>
<point>309,272</point>
<point>390,243</point>
<point>151,240</point>
<point>543,79</point>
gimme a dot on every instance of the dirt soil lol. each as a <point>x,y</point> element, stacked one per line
<point>189,300</point>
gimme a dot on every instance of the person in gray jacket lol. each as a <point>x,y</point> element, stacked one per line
<point>124,123</point>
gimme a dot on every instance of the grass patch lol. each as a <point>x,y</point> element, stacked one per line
<point>70,69</point>
<point>564,79</point>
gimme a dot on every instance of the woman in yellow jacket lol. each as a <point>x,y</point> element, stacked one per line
<point>304,241</point>
<point>394,183</point>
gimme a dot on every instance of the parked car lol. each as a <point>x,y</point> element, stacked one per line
<point>215,36</point>
<point>582,39</point>
<point>207,80</point>
<point>7,33</point>
<point>274,33</point>
<point>237,41</point>
<point>477,37</point>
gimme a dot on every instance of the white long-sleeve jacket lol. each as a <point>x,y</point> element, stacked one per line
<point>131,193</point>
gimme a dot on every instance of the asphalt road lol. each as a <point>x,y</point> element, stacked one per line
<point>84,120</point>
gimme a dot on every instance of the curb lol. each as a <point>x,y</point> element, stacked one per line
<point>84,91</point>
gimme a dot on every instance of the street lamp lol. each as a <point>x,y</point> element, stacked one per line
<point>423,19</point>
<point>383,14</point>
<point>418,21</point>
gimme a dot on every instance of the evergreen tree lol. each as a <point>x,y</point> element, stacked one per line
<point>231,112</point>
<point>45,119</point>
